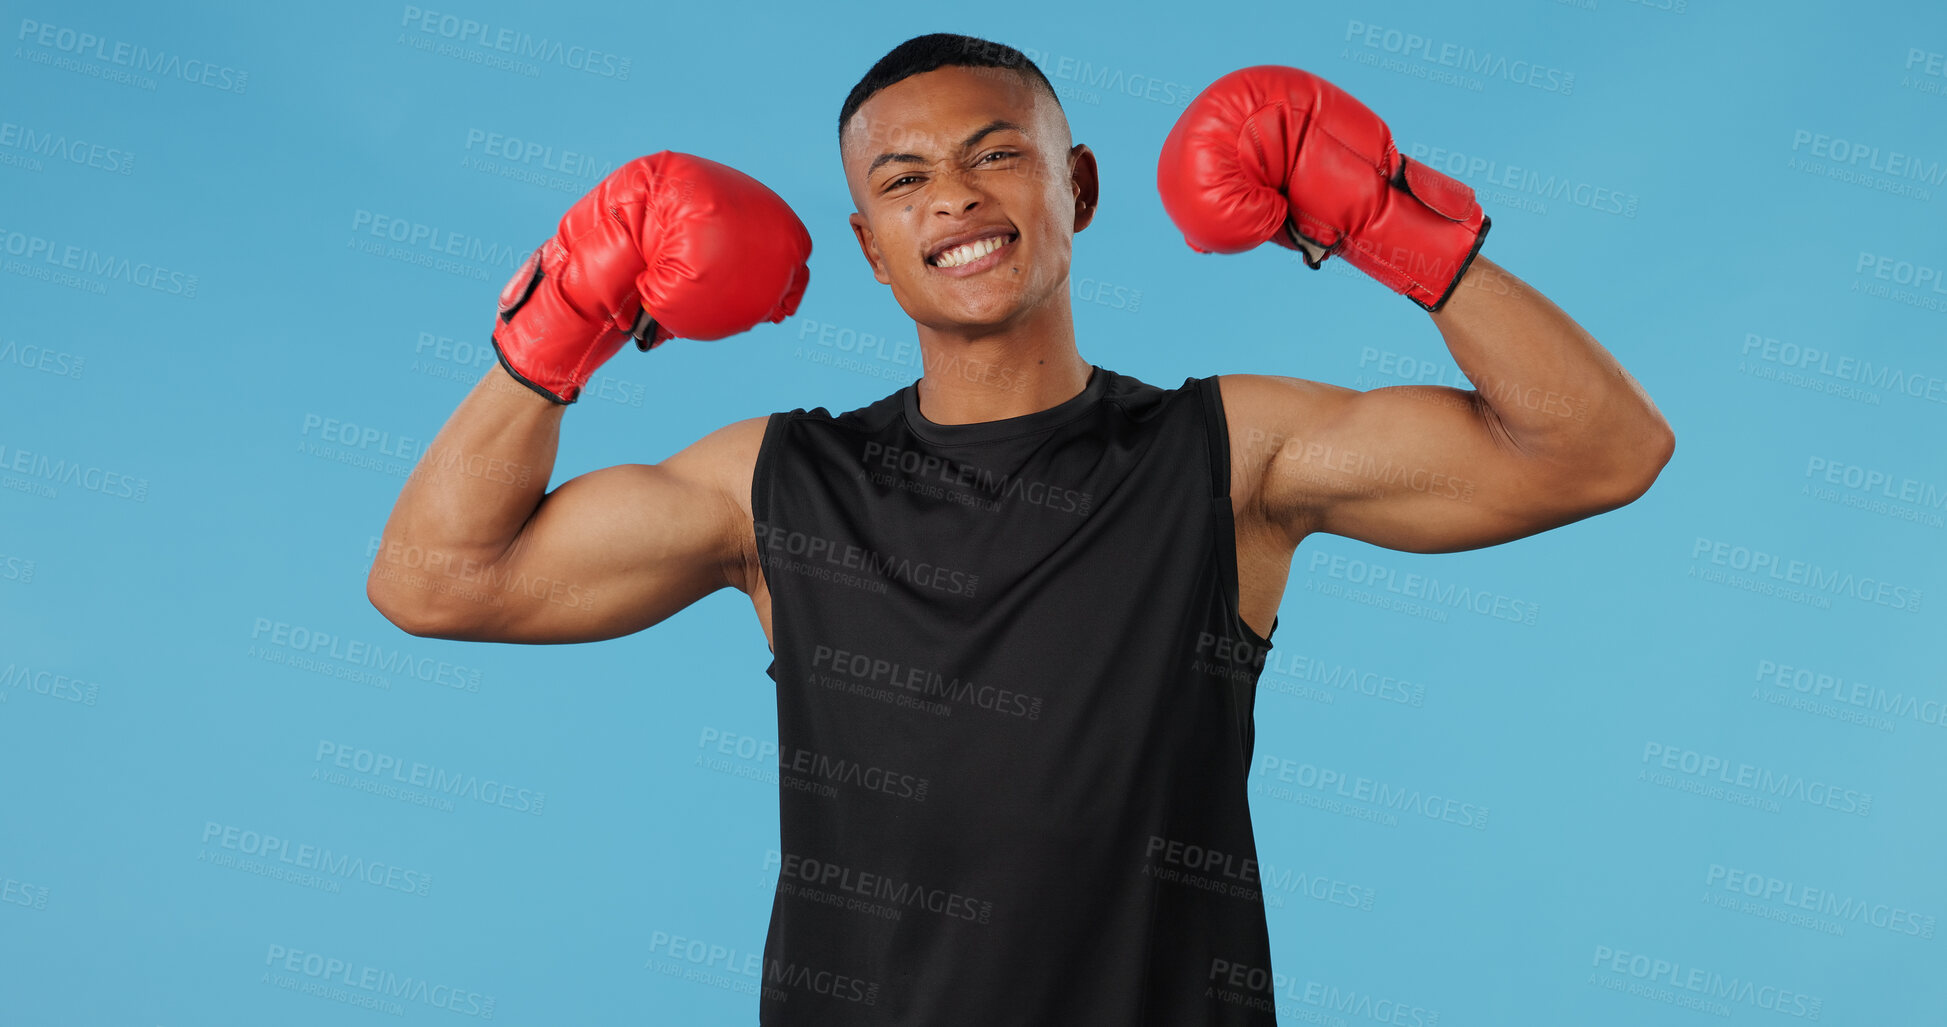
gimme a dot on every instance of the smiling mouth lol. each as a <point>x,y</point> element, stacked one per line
<point>961,256</point>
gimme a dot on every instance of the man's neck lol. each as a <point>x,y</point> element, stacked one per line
<point>992,377</point>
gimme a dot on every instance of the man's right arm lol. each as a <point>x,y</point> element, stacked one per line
<point>476,549</point>
<point>667,246</point>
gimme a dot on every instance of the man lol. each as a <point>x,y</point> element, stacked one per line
<point>1017,609</point>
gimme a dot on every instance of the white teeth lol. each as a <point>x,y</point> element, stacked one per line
<point>970,252</point>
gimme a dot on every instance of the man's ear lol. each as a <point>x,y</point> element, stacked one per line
<point>1087,189</point>
<point>869,248</point>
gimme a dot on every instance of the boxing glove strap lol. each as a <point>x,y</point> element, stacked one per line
<point>644,331</point>
<point>1465,263</point>
<point>546,343</point>
<point>1423,238</point>
<point>523,379</point>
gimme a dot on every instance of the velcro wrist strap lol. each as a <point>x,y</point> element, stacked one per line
<point>1425,236</point>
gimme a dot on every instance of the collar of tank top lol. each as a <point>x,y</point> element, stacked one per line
<point>1006,427</point>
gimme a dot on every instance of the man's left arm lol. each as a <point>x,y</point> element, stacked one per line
<point>1555,430</point>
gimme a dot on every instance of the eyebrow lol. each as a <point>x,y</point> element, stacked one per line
<point>914,158</point>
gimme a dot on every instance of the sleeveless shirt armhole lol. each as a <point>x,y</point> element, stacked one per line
<point>760,485</point>
<point>1217,434</point>
<point>760,498</point>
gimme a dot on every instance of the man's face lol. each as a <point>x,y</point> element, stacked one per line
<point>967,155</point>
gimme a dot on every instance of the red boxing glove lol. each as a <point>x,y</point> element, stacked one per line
<point>1271,153</point>
<point>667,246</point>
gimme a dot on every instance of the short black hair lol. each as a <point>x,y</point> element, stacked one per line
<point>926,53</point>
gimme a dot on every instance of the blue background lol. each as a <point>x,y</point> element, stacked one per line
<point>179,519</point>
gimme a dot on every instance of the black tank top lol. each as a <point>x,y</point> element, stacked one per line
<point>1014,717</point>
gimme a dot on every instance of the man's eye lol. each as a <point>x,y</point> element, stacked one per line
<point>903,178</point>
<point>1001,153</point>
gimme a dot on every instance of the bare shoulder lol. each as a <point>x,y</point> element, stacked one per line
<point>1264,413</point>
<point>726,458</point>
<point>725,461</point>
<point>1270,400</point>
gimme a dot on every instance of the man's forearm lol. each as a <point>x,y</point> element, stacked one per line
<point>1555,392</point>
<point>475,487</point>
